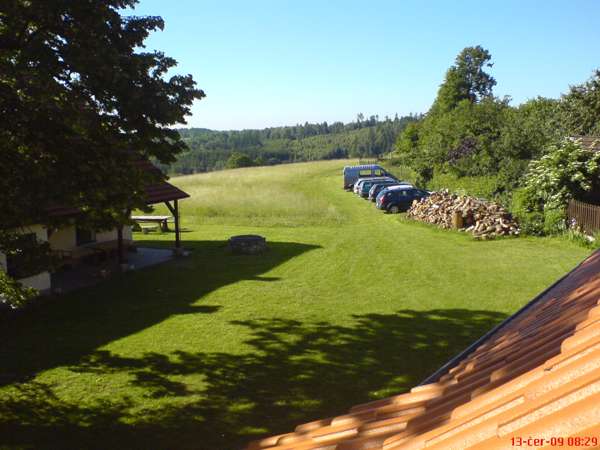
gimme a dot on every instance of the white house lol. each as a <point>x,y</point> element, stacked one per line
<point>71,243</point>
<point>75,245</point>
<point>40,281</point>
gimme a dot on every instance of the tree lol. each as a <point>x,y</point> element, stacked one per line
<point>581,107</point>
<point>466,80</point>
<point>237,160</point>
<point>80,102</point>
<point>460,129</point>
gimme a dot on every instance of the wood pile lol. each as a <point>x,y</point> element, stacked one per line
<point>485,220</point>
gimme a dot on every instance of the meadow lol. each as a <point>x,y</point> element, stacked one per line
<point>213,350</point>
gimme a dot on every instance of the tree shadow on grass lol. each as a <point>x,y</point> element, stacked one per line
<point>295,372</point>
<point>62,330</point>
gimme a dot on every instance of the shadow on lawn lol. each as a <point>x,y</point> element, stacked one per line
<point>62,330</point>
<point>295,372</point>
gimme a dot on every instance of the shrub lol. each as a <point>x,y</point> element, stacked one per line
<point>13,294</point>
<point>482,186</point>
<point>565,171</point>
<point>237,160</point>
<point>555,221</point>
<point>28,256</point>
<point>527,210</point>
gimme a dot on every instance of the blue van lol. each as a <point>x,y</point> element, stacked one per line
<point>353,173</point>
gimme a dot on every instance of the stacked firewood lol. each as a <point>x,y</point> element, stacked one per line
<point>485,220</point>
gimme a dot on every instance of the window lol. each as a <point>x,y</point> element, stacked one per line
<point>16,261</point>
<point>83,236</point>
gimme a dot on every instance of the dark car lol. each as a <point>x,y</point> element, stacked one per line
<point>398,198</point>
<point>365,186</point>
<point>381,185</point>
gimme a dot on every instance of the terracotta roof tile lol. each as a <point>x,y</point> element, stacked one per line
<point>163,192</point>
<point>537,375</point>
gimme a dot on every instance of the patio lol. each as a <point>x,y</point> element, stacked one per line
<point>84,275</point>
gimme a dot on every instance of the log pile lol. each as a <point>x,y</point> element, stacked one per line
<point>485,220</point>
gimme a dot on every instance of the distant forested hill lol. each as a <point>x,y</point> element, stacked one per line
<point>212,150</point>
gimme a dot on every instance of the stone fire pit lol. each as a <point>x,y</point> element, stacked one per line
<point>248,244</point>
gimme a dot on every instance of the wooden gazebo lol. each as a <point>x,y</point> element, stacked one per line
<point>161,192</point>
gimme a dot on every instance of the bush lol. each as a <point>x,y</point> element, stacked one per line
<point>28,256</point>
<point>482,186</point>
<point>511,174</point>
<point>526,209</point>
<point>237,160</point>
<point>565,171</point>
<point>555,221</point>
<point>13,294</point>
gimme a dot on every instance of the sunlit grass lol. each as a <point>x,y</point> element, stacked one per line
<point>286,195</point>
<point>213,350</point>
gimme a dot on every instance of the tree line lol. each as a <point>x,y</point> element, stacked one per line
<point>365,137</point>
<point>468,131</point>
<point>471,133</point>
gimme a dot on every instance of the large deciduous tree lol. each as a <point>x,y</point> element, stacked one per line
<point>80,100</point>
<point>581,107</point>
<point>466,80</point>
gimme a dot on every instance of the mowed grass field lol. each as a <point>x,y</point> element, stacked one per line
<point>213,350</point>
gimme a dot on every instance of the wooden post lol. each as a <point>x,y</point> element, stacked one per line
<point>457,220</point>
<point>176,217</point>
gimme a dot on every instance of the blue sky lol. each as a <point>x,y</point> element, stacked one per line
<point>269,63</point>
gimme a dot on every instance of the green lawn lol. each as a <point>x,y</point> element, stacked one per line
<point>213,350</point>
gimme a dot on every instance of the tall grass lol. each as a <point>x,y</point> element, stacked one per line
<point>213,350</point>
<point>285,195</point>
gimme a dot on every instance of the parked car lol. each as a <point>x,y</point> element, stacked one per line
<point>398,198</point>
<point>354,173</point>
<point>365,186</point>
<point>358,184</point>
<point>379,186</point>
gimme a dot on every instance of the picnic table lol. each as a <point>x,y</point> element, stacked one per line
<point>161,221</point>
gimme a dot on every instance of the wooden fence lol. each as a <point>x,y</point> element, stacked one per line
<point>583,216</point>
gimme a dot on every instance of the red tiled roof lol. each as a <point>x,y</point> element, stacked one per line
<point>61,211</point>
<point>163,192</point>
<point>155,193</point>
<point>536,376</point>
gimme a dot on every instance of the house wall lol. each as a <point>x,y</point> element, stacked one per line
<point>65,238</point>
<point>112,235</point>
<point>62,239</point>
<point>40,281</point>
